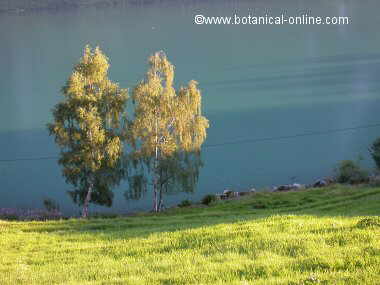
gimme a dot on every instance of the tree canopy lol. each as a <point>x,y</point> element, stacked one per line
<point>89,127</point>
<point>162,138</point>
<point>167,132</point>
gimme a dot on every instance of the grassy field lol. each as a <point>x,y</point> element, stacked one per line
<point>319,236</point>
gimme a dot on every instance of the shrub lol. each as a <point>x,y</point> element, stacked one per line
<point>51,205</point>
<point>208,199</point>
<point>350,172</point>
<point>184,203</point>
<point>375,152</point>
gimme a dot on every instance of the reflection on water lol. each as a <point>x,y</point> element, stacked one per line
<point>257,81</point>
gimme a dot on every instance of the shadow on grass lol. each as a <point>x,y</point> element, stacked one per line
<point>332,201</point>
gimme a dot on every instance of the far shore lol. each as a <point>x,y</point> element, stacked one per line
<point>27,6</point>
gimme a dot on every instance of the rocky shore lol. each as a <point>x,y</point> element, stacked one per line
<point>228,194</point>
<point>29,214</point>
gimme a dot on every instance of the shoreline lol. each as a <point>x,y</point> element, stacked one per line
<point>20,7</point>
<point>13,214</point>
<point>17,7</point>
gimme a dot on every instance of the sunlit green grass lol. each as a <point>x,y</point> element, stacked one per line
<point>309,237</point>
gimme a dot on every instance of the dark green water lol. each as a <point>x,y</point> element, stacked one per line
<point>257,82</point>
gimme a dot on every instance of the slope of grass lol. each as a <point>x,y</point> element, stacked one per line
<point>319,236</point>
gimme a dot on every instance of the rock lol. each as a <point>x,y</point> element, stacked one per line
<point>284,188</point>
<point>288,187</point>
<point>218,196</point>
<point>320,183</point>
<point>298,186</point>
<point>228,193</point>
<point>223,196</point>
<point>330,180</point>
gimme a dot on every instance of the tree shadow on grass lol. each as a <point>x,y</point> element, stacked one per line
<point>335,201</point>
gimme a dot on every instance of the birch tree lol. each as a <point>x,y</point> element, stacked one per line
<point>167,131</point>
<point>88,127</point>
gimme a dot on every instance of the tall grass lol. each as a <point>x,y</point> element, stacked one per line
<point>319,236</point>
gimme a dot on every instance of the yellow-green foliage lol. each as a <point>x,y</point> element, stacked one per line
<point>88,126</point>
<point>167,132</point>
<point>319,236</point>
<point>164,118</point>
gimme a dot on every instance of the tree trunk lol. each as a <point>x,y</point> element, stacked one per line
<point>161,200</point>
<point>87,201</point>
<point>155,206</point>
<point>155,178</point>
<point>155,184</point>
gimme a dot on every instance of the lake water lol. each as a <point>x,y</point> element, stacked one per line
<point>257,82</point>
